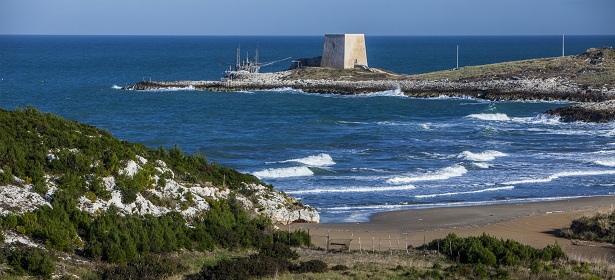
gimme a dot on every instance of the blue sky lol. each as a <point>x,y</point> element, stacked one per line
<point>307,17</point>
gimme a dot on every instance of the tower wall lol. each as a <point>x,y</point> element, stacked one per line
<point>343,51</point>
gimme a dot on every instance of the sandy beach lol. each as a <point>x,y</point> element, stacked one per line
<point>535,224</point>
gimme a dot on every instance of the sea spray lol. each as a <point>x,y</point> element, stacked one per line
<point>442,174</point>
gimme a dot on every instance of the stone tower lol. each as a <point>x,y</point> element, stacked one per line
<point>343,51</point>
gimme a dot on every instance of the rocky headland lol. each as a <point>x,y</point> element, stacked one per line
<point>588,77</point>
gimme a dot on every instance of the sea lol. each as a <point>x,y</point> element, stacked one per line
<point>348,156</point>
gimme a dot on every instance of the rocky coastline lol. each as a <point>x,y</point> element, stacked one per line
<point>554,79</point>
<point>497,89</point>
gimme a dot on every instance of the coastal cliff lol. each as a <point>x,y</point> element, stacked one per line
<point>588,77</point>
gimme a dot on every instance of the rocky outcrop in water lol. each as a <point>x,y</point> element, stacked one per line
<point>510,89</point>
<point>581,78</point>
<point>600,112</point>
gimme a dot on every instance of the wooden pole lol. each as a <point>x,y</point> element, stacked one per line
<point>328,240</point>
<point>390,247</point>
<point>360,248</point>
<point>407,252</point>
<point>372,244</point>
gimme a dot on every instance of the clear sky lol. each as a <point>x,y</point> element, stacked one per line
<point>307,17</point>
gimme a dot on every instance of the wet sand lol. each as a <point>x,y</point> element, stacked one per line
<point>536,224</point>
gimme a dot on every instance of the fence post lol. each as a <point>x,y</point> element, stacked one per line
<point>407,252</point>
<point>360,248</point>
<point>390,246</point>
<point>328,241</point>
<point>372,245</point>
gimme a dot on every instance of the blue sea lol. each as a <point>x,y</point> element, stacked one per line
<point>348,156</point>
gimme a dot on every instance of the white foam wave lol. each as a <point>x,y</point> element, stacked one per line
<point>608,162</point>
<point>298,171</point>
<point>462,193</point>
<point>539,119</point>
<point>319,160</point>
<point>447,204</point>
<point>490,117</point>
<point>188,88</point>
<point>562,175</point>
<point>488,155</point>
<point>284,89</point>
<point>481,165</point>
<point>442,174</point>
<point>397,92</point>
<point>116,87</point>
<point>353,190</point>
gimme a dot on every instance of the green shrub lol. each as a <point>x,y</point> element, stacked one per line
<point>256,266</point>
<point>600,227</point>
<point>147,268</point>
<point>339,267</point>
<point>491,251</point>
<point>311,266</point>
<point>29,261</point>
<point>278,250</point>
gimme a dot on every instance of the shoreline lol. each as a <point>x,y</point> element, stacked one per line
<point>534,223</point>
<point>585,77</point>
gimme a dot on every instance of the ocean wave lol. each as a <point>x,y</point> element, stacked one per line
<point>462,193</point>
<point>490,117</point>
<point>481,165</point>
<point>353,190</point>
<point>402,206</point>
<point>562,175</point>
<point>188,88</point>
<point>284,89</point>
<point>319,160</point>
<point>396,92</point>
<point>539,119</point>
<point>116,87</point>
<point>298,171</point>
<point>488,155</point>
<point>441,174</point>
<point>608,162</point>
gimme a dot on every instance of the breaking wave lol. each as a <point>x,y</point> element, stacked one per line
<point>610,162</point>
<point>442,174</point>
<point>116,87</point>
<point>397,92</point>
<point>298,171</point>
<point>562,175</point>
<point>490,117</point>
<point>488,155</point>
<point>317,160</point>
<point>354,190</point>
<point>468,192</point>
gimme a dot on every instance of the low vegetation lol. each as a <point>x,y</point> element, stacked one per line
<point>600,228</point>
<point>35,146</point>
<point>595,68</point>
